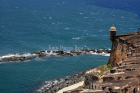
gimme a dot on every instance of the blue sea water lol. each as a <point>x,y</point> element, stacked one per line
<point>33,25</point>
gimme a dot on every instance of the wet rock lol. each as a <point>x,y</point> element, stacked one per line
<point>2,55</point>
<point>29,58</point>
<point>72,51</point>
<point>87,50</point>
<point>41,55</point>
<point>69,54</point>
<point>15,58</point>
<point>42,51</point>
<point>60,52</point>
<point>48,51</point>
<point>37,53</point>
<point>22,58</point>
<point>105,51</point>
<point>99,51</point>
<point>108,51</point>
<point>52,55</point>
<point>63,54</point>
<point>5,59</point>
<point>82,50</point>
<point>33,53</point>
<point>54,51</point>
<point>93,50</point>
<point>78,53</point>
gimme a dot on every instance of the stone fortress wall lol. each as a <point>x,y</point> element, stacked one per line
<point>124,77</point>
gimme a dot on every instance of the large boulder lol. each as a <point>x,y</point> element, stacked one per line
<point>54,51</point>
<point>99,51</point>
<point>82,50</point>
<point>105,51</point>
<point>15,58</point>
<point>5,59</point>
<point>69,54</point>
<point>41,55</point>
<point>22,58</point>
<point>93,50</point>
<point>60,52</point>
<point>63,54</point>
<point>29,58</point>
<point>87,50</point>
<point>48,51</point>
<point>52,55</point>
<point>108,51</point>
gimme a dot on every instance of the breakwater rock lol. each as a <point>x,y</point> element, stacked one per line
<point>50,53</point>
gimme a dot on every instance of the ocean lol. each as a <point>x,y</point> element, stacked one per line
<point>33,25</point>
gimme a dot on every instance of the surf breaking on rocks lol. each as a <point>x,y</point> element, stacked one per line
<point>51,53</point>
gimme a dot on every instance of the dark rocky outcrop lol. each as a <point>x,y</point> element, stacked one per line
<point>67,82</point>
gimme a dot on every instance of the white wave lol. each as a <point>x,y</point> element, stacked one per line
<point>10,55</point>
<point>67,28</point>
<point>50,17</point>
<point>77,38</point>
<point>131,28</point>
<point>107,54</point>
<point>51,52</point>
<point>93,35</point>
<point>86,17</point>
<point>100,30</point>
<point>27,54</point>
<point>80,13</point>
<point>102,54</point>
<point>49,84</point>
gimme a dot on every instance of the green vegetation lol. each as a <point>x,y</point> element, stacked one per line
<point>109,66</point>
<point>104,69</point>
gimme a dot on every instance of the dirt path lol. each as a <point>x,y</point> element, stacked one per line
<point>71,87</point>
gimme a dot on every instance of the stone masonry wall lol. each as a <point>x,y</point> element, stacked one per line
<point>118,52</point>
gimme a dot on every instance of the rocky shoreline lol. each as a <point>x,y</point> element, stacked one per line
<point>53,87</point>
<point>49,53</point>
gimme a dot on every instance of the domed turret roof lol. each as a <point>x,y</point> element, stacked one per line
<point>113,28</point>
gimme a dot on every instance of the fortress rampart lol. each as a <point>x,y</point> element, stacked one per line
<point>124,77</point>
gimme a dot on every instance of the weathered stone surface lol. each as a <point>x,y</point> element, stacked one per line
<point>122,75</point>
<point>118,52</point>
<point>89,80</point>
